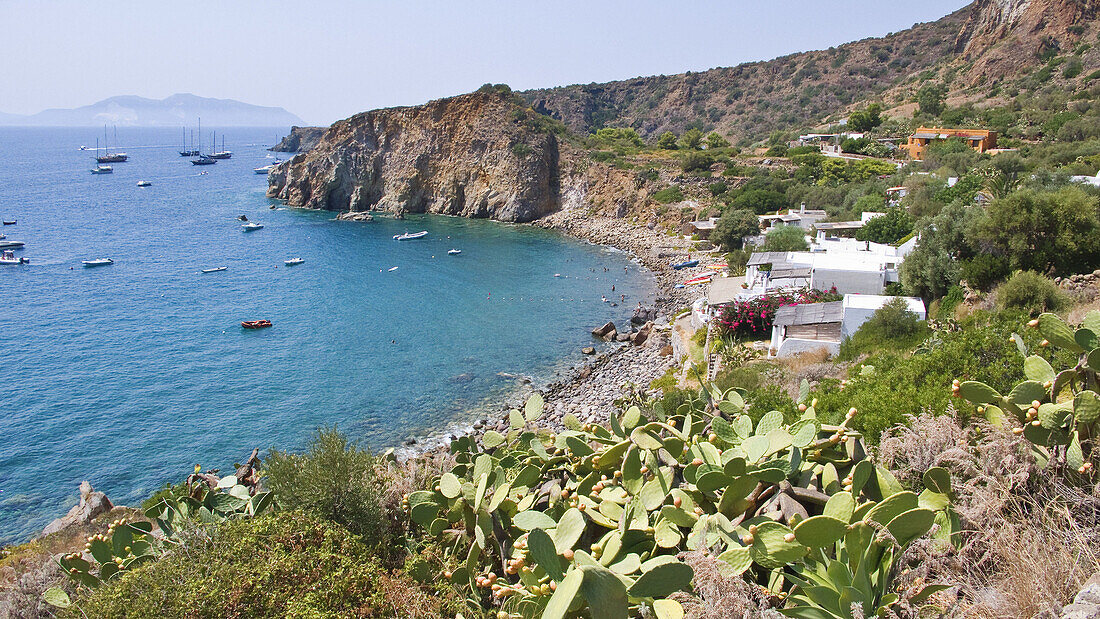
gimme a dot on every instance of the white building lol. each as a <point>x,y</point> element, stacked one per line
<point>823,326</point>
<point>803,218</point>
<point>852,266</point>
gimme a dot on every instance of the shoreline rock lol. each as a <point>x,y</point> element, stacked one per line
<point>92,504</point>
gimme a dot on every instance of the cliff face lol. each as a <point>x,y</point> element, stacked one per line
<point>1002,37</point>
<point>473,155</point>
<point>299,140</point>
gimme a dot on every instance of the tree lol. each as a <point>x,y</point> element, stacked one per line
<point>1045,231</point>
<point>733,226</point>
<point>785,238</point>
<point>716,141</point>
<point>865,119</point>
<point>760,201</point>
<point>933,267</point>
<point>616,136</point>
<point>697,161</point>
<point>930,99</point>
<point>691,139</point>
<point>889,228</point>
<point>667,141</point>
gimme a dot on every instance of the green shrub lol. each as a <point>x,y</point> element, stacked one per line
<point>950,301</point>
<point>334,479</point>
<point>983,271</point>
<point>908,384</point>
<point>892,326</point>
<point>669,194</point>
<point>1031,292</point>
<point>169,491</point>
<point>283,565</point>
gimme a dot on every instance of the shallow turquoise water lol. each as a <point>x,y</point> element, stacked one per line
<point>130,374</point>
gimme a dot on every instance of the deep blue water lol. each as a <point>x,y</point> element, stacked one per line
<point>128,375</point>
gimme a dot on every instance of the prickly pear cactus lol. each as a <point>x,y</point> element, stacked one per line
<point>125,546</point>
<point>1058,411</point>
<point>545,524</point>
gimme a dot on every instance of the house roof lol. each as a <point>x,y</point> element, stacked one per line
<point>766,257</point>
<point>839,225</point>
<point>790,272</point>
<point>810,314</point>
<point>724,290</point>
<point>925,135</point>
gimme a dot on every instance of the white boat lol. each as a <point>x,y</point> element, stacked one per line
<point>293,261</point>
<point>103,169</point>
<point>214,270</point>
<point>410,235</point>
<point>8,257</point>
<point>251,226</point>
<point>98,262</point>
<point>392,269</point>
<point>11,244</point>
<point>144,184</point>
<point>264,170</point>
<point>454,252</point>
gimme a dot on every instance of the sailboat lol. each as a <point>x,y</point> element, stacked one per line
<point>221,154</point>
<point>107,156</point>
<point>187,150</point>
<point>100,168</point>
<point>203,159</point>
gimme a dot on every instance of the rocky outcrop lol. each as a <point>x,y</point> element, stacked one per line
<point>475,155</point>
<point>1002,37</point>
<point>91,504</point>
<point>300,140</point>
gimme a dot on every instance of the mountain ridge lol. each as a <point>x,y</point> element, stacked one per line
<point>172,111</point>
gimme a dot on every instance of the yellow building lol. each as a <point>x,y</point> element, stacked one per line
<point>980,140</point>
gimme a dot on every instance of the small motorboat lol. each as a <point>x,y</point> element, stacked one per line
<point>98,262</point>
<point>8,257</point>
<point>9,223</point>
<point>408,236</point>
<point>454,252</point>
<point>251,226</point>
<point>214,270</point>
<point>242,218</point>
<point>103,169</point>
<point>264,169</point>
<point>685,264</point>
<point>144,184</point>
<point>11,244</point>
<point>293,262</point>
<point>392,269</point>
<point>256,324</point>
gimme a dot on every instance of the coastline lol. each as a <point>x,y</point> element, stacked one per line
<point>588,389</point>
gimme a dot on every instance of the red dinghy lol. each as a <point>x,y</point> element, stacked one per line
<point>256,324</point>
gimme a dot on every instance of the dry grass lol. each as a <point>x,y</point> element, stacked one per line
<point>721,597</point>
<point>1029,540</point>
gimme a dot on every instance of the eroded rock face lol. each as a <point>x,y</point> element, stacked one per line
<point>299,140</point>
<point>473,155</point>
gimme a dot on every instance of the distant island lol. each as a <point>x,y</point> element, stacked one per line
<point>173,111</point>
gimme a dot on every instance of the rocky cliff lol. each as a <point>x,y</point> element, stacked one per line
<point>475,155</point>
<point>1002,37</point>
<point>299,140</point>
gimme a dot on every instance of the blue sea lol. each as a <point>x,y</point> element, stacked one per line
<point>128,375</point>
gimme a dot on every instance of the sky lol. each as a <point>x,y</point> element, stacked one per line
<point>327,59</point>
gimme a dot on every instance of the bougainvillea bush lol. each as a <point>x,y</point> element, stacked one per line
<point>754,318</point>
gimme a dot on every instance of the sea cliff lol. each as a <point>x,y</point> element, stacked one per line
<point>475,155</point>
<point>299,140</point>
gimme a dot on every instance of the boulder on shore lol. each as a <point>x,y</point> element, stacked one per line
<point>588,350</point>
<point>604,331</point>
<point>91,504</point>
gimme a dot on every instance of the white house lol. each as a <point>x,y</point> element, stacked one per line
<point>803,218</point>
<point>851,266</point>
<point>823,326</point>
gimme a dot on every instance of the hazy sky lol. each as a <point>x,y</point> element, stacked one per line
<point>327,59</point>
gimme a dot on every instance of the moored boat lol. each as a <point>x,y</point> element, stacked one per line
<point>144,184</point>
<point>251,226</point>
<point>264,170</point>
<point>8,257</point>
<point>408,236</point>
<point>256,324</point>
<point>11,244</point>
<point>454,252</point>
<point>103,169</point>
<point>293,261</point>
<point>214,270</point>
<point>203,160</point>
<point>10,222</point>
<point>686,264</point>
<point>98,262</point>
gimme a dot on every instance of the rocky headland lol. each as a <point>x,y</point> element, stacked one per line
<point>299,140</point>
<point>474,155</point>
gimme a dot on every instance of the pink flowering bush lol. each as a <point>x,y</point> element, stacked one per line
<point>753,318</point>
